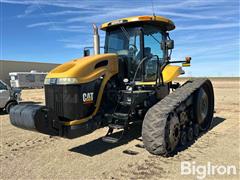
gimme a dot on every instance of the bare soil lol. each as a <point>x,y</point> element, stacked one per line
<point>30,155</point>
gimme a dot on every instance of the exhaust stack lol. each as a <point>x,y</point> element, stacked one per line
<point>96,43</point>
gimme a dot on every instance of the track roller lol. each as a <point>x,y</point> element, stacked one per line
<point>196,130</point>
<point>183,141</point>
<point>190,134</point>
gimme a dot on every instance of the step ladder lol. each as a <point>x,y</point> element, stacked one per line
<point>119,120</point>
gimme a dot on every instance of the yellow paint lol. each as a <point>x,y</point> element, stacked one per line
<point>84,68</point>
<point>171,72</point>
<point>141,83</point>
<point>158,19</point>
<point>186,64</point>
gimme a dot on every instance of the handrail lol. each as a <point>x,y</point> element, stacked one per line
<point>144,59</point>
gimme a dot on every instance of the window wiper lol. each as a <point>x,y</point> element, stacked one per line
<point>125,32</point>
<point>153,38</point>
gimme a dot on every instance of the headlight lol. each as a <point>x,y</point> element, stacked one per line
<point>47,81</point>
<point>67,81</point>
<point>61,81</point>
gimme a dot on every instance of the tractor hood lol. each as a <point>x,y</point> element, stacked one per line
<point>84,69</point>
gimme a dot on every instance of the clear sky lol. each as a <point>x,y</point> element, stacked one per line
<point>57,30</point>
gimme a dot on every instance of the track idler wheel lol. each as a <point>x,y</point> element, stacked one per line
<point>204,106</point>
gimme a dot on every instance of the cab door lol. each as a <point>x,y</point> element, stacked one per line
<point>4,94</point>
<point>152,48</point>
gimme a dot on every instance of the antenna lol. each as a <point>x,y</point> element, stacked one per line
<point>153,8</point>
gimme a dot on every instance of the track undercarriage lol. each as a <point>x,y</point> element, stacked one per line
<point>179,117</point>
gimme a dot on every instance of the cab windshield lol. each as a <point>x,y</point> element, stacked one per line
<point>123,41</point>
<point>135,43</point>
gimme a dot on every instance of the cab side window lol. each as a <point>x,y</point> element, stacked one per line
<point>152,42</point>
<point>151,69</point>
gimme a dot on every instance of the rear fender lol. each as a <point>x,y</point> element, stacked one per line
<point>171,72</point>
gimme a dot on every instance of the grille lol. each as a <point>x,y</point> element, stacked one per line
<point>67,102</point>
<point>54,99</point>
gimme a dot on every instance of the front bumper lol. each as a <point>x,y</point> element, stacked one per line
<point>41,119</point>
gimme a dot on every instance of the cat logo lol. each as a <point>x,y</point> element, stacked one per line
<point>88,98</point>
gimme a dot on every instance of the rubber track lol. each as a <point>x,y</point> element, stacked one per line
<point>155,121</point>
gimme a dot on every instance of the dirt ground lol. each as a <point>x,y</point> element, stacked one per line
<point>30,155</point>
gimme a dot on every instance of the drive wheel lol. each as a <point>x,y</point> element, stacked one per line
<point>204,106</point>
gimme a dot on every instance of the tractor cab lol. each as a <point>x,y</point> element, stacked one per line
<point>137,38</point>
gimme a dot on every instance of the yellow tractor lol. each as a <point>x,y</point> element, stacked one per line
<point>132,82</point>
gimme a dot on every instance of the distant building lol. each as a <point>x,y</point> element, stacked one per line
<point>20,66</point>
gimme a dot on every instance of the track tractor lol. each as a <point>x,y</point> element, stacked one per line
<point>132,82</point>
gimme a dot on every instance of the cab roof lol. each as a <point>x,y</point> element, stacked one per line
<point>160,21</point>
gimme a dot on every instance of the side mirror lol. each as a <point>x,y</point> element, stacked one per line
<point>86,52</point>
<point>187,62</point>
<point>170,44</point>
